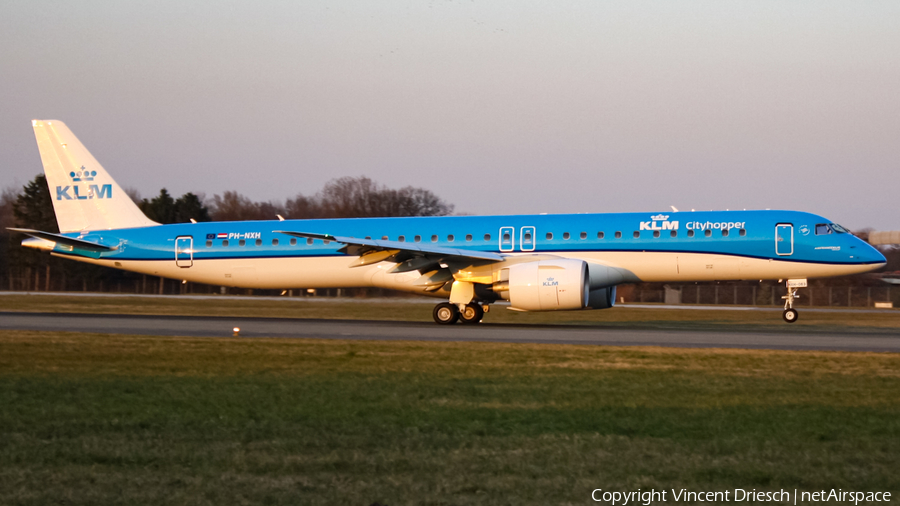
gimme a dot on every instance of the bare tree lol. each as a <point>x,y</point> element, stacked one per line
<point>346,197</point>
<point>133,193</point>
<point>232,206</point>
<point>302,207</point>
<point>349,197</point>
<point>8,198</point>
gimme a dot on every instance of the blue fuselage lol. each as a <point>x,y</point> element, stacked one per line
<point>777,235</point>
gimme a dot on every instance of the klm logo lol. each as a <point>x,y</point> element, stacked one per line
<point>551,282</point>
<point>83,175</point>
<point>659,222</point>
<point>83,192</point>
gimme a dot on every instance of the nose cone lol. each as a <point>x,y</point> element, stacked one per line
<point>872,256</point>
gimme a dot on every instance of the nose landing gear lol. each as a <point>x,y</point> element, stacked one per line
<point>790,314</point>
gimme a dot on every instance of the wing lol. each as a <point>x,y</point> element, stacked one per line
<point>434,262</point>
<point>366,247</point>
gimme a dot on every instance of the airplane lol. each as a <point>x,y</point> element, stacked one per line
<point>533,262</point>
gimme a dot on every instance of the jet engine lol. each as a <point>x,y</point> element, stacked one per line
<point>548,285</point>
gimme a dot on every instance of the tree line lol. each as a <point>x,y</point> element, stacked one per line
<point>32,207</point>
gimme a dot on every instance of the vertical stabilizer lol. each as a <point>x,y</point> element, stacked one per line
<point>84,196</point>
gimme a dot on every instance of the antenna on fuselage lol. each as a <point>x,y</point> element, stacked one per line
<point>675,209</point>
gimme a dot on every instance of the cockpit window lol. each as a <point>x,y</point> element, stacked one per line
<point>839,229</point>
<point>823,229</point>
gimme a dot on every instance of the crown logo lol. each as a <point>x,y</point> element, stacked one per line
<point>660,217</point>
<point>83,174</point>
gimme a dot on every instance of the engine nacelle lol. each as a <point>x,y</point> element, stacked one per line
<point>549,285</point>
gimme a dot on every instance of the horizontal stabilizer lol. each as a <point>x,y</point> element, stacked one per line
<point>61,239</point>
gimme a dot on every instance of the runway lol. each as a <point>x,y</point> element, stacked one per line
<point>201,326</point>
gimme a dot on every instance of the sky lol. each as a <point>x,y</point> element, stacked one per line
<point>500,107</point>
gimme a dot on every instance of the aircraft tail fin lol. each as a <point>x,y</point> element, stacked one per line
<point>84,195</point>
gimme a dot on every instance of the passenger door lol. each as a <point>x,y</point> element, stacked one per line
<point>784,239</point>
<point>184,251</point>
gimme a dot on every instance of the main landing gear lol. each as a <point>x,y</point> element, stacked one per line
<point>446,313</point>
<point>790,314</point>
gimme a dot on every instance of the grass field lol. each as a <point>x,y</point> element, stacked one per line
<point>100,419</point>
<point>886,321</point>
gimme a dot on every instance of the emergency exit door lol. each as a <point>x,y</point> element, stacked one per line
<point>184,251</point>
<point>507,238</point>
<point>527,236</point>
<point>784,239</point>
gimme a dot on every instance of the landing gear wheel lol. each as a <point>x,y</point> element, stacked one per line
<point>790,315</point>
<point>445,313</point>
<point>471,314</point>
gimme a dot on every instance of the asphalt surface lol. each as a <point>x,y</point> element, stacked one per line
<point>423,300</point>
<point>199,326</point>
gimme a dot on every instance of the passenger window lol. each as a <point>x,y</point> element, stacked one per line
<point>618,235</point>
<point>690,233</point>
<point>656,233</point>
<point>527,236</point>
<point>600,235</point>
<point>566,236</point>
<point>434,238</point>
<point>225,243</point>
<point>417,238</point>
<point>506,237</point>
<point>274,242</point>
<point>259,242</point>
<point>673,233</point>
<point>583,235</point>
<point>636,234</point>
<point>468,237</point>
<point>487,237</point>
<point>743,232</point>
<point>549,236</point>
<point>724,232</point>
<point>293,242</point>
<point>450,238</point>
<point>242,242</point>
<point>708,233</point>
<point>402,238</point>
<point>208,243</point>
<point>822,229</point>
<point>369,237</point>
<point>309,240</point>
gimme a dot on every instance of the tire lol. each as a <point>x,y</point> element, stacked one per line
<point>790,315</point>
<point>445,313</point>
<point>472,314</point>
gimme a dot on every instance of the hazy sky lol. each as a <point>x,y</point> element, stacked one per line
<point>498,107</point>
